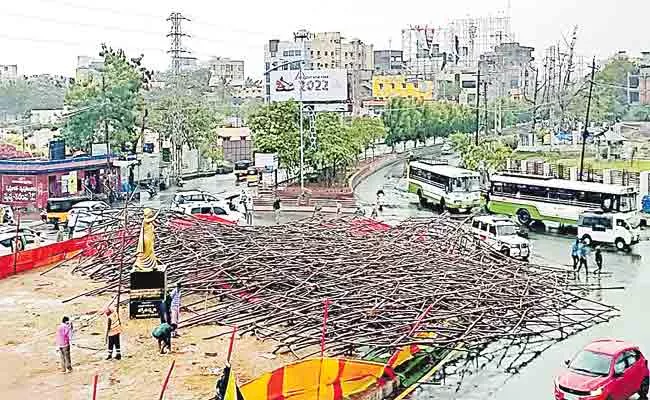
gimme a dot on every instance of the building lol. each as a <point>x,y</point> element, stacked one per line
<point>226,71</point>
<point>388,62</point>
<point>45,117</point>
<point>331,50</point>
<point>505,71</point>
<point>320,51</point>
<point>30,183</point>
<point>387,86</point>
<point>236,143</point>
<point>460,42</point>
<point>8,72</point>
<point>88,67</point>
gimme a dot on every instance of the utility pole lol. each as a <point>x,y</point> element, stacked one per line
<point>485,104</point>
<point>106,138</point>
<point>585,133</point>
<point>478,95</point>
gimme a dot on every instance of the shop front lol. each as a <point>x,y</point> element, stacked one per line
<point>29,184</point>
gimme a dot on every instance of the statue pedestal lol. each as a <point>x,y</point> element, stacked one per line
<point>147,291</point>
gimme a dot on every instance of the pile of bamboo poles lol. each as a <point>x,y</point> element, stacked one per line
<point>272,282</point>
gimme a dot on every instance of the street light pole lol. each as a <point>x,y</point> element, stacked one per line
<point>302,141</point>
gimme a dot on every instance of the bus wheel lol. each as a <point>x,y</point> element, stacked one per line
<point>586,239</point>
<point>524,216</point>
<point>620,244</point>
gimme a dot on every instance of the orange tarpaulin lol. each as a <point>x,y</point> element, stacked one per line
<point>320,379</point>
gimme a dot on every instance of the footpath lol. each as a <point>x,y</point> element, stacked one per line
<point>328,198</point>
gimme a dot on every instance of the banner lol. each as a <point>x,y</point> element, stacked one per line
<point>19,190</point>
<point>316,85</point>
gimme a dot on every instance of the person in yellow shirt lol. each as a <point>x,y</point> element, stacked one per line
<point>113,330</point>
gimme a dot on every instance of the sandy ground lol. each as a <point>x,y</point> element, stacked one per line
<point>31,307</point>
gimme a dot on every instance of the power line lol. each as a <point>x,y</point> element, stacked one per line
<point>115,28</point>
<point>132,13</point>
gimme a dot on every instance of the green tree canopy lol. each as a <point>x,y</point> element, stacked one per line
<point>108,105</point>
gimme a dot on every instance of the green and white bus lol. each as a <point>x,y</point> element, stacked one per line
<point>438,183</point>
<point>557,202</point>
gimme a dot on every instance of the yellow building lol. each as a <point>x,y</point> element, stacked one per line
<point>384,87</point>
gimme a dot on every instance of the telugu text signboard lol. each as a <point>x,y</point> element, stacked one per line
<point>18,190</point>
<point>317,85</point>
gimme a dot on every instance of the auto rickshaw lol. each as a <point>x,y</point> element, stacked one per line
<point>57,208</point>
<point>252,176</point>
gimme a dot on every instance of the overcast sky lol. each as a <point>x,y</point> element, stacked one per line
<point>45,36</point>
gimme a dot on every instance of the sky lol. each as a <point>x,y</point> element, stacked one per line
<point>46,36</point>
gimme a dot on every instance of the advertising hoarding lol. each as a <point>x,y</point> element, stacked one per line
<point>317,85</point>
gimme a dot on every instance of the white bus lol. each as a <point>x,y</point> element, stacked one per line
<point>558,202</point>
<point>451,188</point>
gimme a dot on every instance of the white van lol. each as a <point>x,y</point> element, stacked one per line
<point>501,234</point>
<point>607,228</point>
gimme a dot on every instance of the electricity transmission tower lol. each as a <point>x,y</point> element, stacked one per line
<point>180,57</point>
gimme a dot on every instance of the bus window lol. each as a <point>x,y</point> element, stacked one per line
<point>475,224</point>
<point>484,226</point>
<point>493,230</point>
<point>626,203</point>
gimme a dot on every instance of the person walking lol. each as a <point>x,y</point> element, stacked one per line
<point>276,210</point>
<point>598,255</point>
<point>113,330</point>
<point>63,335</point>
<point>163,333</point>
<point>175,306</point>
<point>339,208</point>
<point>249,212</point>
<point>575,253</point>
<point>582,253</point>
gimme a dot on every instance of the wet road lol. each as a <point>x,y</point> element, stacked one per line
<point>535,381</point>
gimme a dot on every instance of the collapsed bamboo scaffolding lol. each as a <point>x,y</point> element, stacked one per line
<point>271,282</point>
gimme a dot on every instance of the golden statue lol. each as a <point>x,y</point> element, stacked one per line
<point>146,260</point>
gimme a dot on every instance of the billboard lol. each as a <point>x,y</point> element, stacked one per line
<point>317,85</point>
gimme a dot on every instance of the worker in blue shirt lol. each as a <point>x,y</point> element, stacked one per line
<point>583,250</point>
<point>575,253</point>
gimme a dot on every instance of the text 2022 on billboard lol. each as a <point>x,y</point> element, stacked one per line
<point>315,85</point>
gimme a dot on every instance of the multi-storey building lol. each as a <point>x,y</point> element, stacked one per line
<point>504,69</point>
<point>88,67</point>
<point>226,71</point>
<point>9,72</point>
<point>388,62</point>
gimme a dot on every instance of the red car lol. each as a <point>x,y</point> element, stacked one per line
<point>606,369</point>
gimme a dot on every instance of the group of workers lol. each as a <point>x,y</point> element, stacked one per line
<point>579,252</point>
<point>169,316</point>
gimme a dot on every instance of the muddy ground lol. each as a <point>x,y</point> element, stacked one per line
<point>31,307</point>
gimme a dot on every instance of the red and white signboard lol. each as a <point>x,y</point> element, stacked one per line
<point>19,190</point>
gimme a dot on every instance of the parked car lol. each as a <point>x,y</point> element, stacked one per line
<point>225,168</point>
<point>193,196</point>
<point>221,209</point>
<point>12,239</point>
<point>243,165</point>
<point>501,234</point>
<point>606,369</point>
<point>94,207</point>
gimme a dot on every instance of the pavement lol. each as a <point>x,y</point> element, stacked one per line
<point>535,381</point>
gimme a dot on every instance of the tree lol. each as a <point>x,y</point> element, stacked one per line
<point>366,131</point>
<point>638,113</point>
<point>609,98</point>
<point>20,96</point>
<point>275,129</point>
<point>109,106</point>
